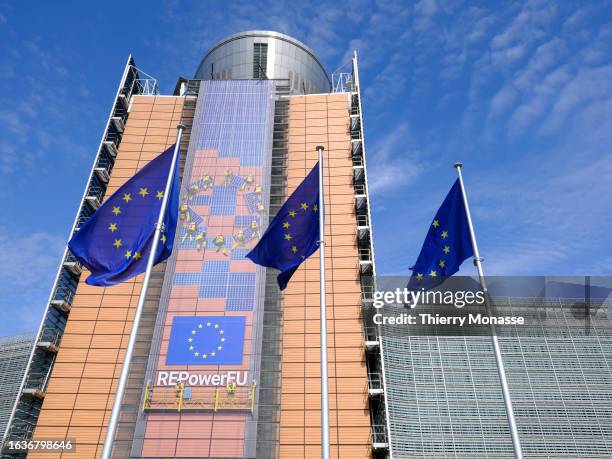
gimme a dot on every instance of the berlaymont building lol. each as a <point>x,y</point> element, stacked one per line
<point>255,110</point>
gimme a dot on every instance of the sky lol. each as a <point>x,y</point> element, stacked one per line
<point>520,92</point>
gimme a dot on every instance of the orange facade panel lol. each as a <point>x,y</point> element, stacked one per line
<point>324,120</point>
<point>83,382</point>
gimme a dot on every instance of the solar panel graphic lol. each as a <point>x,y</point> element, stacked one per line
<point>211,323</point>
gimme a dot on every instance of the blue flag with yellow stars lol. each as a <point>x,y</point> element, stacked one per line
<point>115,242</point>
<point>293,235</point>
<point>206,340</point>
<point>446,245</point>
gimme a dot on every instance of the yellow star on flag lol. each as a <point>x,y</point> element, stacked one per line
<point>304,206</point>
<point>116,210</point>
<point>127,197</point>
<point>315,208</point>
<point>137,256</point>
<point>117,243</point>
<point>286,225</point>
<point>442,264</point>
<point>294,249</point>
<point>112,227</point>
<point>419,276</point>
<point>143,192</point>
<point>446,249</point>
<point>444,234</point>
<point>433,273</point>
<point>163,238</point>
<point>292,213</point>
<point>436,224</point>
<point>288,237</point>
<point>159,195</point>
<point>128,254</point>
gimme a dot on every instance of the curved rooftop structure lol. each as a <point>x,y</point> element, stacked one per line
<point>259,54</point>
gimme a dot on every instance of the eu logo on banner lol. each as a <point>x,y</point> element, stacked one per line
<point>206,340</point>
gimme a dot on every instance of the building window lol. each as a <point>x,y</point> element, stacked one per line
<point>260,59</point>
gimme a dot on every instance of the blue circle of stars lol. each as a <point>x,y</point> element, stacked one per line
<point>209,353</point>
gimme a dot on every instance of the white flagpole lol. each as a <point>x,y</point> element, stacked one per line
<point>516,442</point>
<point>323,318</point>
<point>109,440</point>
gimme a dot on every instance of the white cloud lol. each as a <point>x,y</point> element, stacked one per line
<point>392,163</point>
<point>29,264</point>
<point>503,100</point>
<point>544,215</point>
<point>588,86</point>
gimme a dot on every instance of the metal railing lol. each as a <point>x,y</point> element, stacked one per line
<point>375,381</point>
<point>370,333</point>
<point>365,255</point>
<point>114,138</point>
<point>70,258</point>
<point>342,82</point>
<point>367,293</point>
<point>360,189</point>
<point>37,381</point>
<point>96,192</point>
<point>362,220</point>
<point>105,162</point>
<point>20,433</point>
<point>64,293</point>
<point>50,335</point>
<point>379,434</point>
<point>145,87</point>
<point>199,398</point>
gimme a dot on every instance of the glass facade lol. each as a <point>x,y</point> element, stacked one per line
<point>14,354</point>
<point>444,397</point>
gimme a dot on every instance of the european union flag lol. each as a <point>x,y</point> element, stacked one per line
<point>206,340</point>
<point>293,235</point>
<point>115,242</point>
<point>447,244</point>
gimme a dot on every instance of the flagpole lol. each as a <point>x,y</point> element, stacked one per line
<point>323,318</point>
<point>516,443</point>
<point>109,440</point>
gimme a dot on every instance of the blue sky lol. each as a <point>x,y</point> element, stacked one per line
<point>520,92</point>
